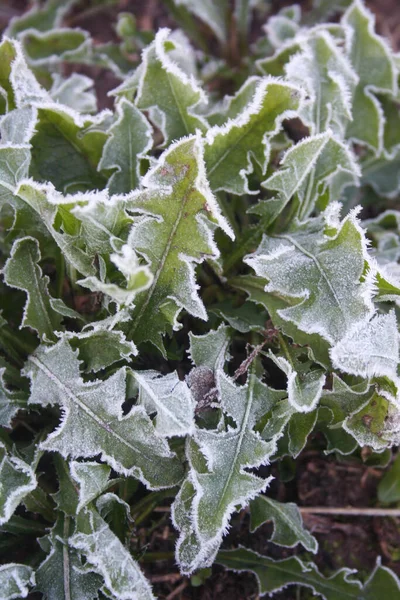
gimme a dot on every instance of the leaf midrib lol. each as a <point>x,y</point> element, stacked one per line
<point>88,411</point>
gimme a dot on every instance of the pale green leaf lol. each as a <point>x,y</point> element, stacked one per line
<point>75,91</point>
<point>62,573</point>
<point>320,274</point>
<point>214,14</point>
<point>175,233</point>
<point>15,581</point>
<point>93,479</point>
<point>22,271</point>
<point>170,398</point>
<point>107,556</point>
<point>231,148</point>
<point>17,479</point>
<point>93,421</point>
<point>130,138</point>
<point>372,60</point>
<point>167,92</point>
<point>218,476</point>
<point>288,524</point>
<point>318,166</point>
<point>210,350</point>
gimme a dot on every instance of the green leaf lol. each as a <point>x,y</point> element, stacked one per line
<point>41,17</point>
<point>329,79</point>
<point>373,62</point>
<point>62,225</point>
<point>15,581</point>
<point>304,386</point>
<point>17,480</point>
<point>170,398</point>
<point>22,271</point>
<point>318,166</point>
<point>230,149</point>
<point>75,91</point>
<point>99,348</point>
<point>62,573</point>
<point>255,287</point>
<point>93,479</point>
<point>130,138</point>
<point>370,348</point>
<point>93,421</point>
<point>107,556</point>
<point>389,485</point>
<point>175,234</point>
<point>288,524</point>
<point>167,92</point>
<point>272,576</point>
<point>218,461</point>
<point>214,14</point>
<point>306,268</point>
<point>210,350</point>
<point>64,137</point>
<point>11,400</point>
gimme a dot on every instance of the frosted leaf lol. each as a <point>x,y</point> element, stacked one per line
<point>93,479</point>
<point>100,348</point>
<point>178,215</point>
<point>15,581</point>
<point>76,91</point>
<point>319,274</point>
<point>218,461</point>
<point>22,271</point>
<point>369,349</point>
<point>107,556</point>
<point>130,138</point>
<point>93,422</point>
<point>304,387</point>
<point>230,148</point>
<point>170,398</point>
<point>329,79</point>
<point>17,479</point>
<point>62,574</point>
<point>167,92</point>
<point>210,350</point>
<point>373,62</point>
<point>11,401</point>
<point>288,524</point>
<point>318,166</point>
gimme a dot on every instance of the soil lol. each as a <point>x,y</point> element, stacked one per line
<point>318,480</point>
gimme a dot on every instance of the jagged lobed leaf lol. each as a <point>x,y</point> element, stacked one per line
<point>22,271</point>
<point>167,92</point>
<point>231,148</point>
<point>218,480</point>
<point>92,421</point>
<point>16,581</point>
<point>288,524</point>
<point>17,480</point>
<point>174,234</point>
<point>323,271</point>
<point>273,576</point>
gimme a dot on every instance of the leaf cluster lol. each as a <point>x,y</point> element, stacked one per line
<point>193,283</point>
